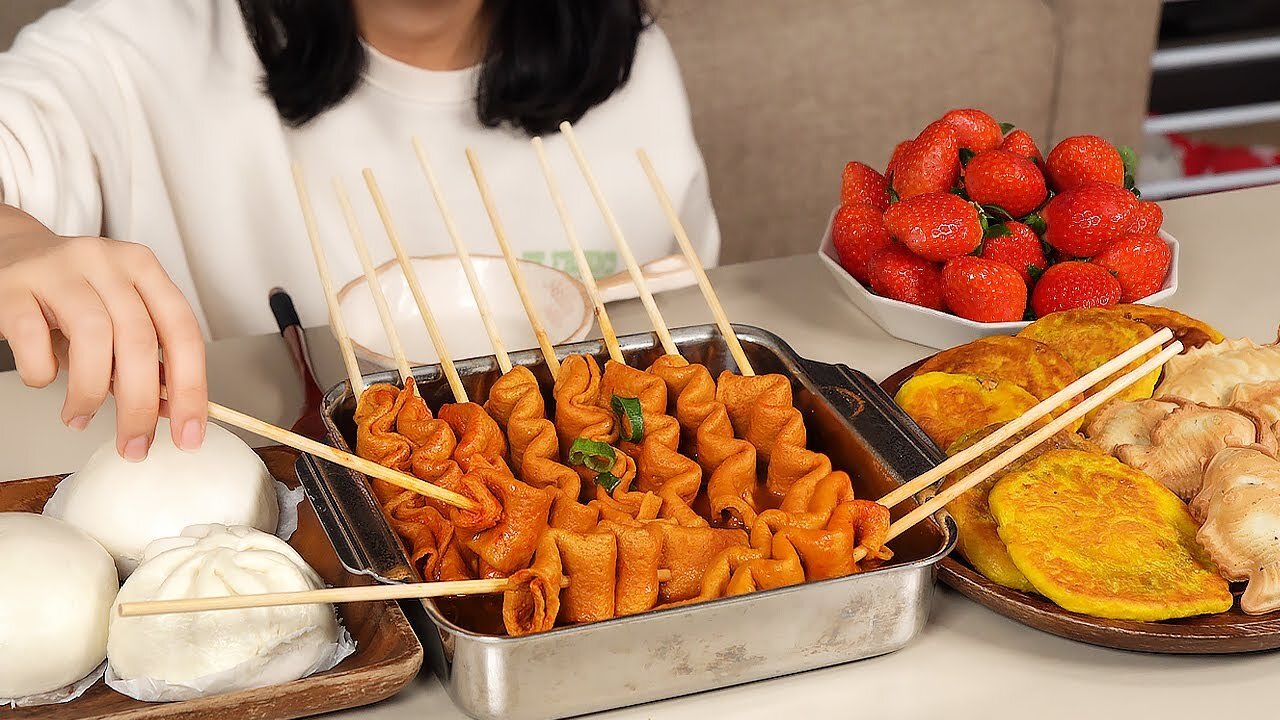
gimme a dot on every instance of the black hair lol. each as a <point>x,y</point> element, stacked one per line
<point>545,61</point>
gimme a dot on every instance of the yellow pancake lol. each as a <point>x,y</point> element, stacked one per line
<point>1100,538</point>
<point>979,542</point>
<point>1192,332</point>
<point>1088,338</point>
<point>1032,366</point>
<point>947,406</point>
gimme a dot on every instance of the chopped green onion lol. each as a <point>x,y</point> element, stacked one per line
<point>593,454</point>
<point>631,417</point>
<point>608,481</point>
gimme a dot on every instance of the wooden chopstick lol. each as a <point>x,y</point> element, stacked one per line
<point>362,593</point>
<point>624,248</point>
<point>334,455</point>
<point>1009,429</point>
<point>1002,460</point>
<point>468,267</point>
<point>695,264</point>
<point>584,268</point>
<point>336,321</point>
<point>499,232</point>
<point>375,287</point>
<point>415,288</point>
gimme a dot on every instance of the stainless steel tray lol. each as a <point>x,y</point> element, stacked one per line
<point>662,654</point>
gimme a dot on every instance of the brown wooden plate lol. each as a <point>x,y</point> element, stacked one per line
<point>387,655</point>
<point>1229,632</point>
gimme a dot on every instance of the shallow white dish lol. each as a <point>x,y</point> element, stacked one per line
<point>560,299</point>
<point>941,330</point>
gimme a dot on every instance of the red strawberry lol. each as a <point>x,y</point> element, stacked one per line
<point>860,184</point>
<point>999,177</point>
<point>1147,218</point>
<point>1082,222</point>
<point>858,233</point>
<point>1019,142</point>
<point>1072,285</point>
<point>1020,249</point>
<point>1082,159</point>
<point>983,290</point>
<point>896,159</point>
<point>1140,262</point>
<point>935,226</point>
<point>898,274</point>
<point>930,164</point>
<point>975,129</point>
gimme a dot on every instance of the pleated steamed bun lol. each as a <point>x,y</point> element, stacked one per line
<point>56,589</point>
<point>181,656</point>
<point>126,505</point>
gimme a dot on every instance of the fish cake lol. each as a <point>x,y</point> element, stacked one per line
<point>1089,338</point>
<point>979,542</point>
<point>1192,332</point>
<point>1100,538</point>
<point>1029,364</point>
<point>947,405</point>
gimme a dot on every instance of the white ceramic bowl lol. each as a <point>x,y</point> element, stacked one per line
<point>560,299</point>
<point>941,330</point>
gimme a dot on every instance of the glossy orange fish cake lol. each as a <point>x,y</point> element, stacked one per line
<point>1100,538</point>
<point>948,406</point>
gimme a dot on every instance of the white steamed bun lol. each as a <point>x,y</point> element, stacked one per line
<point>223,650</point>
<point>56,589</point>
<point>126,505</point>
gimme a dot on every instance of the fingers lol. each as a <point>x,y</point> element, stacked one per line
<point>81,316</point>
<point>136,384</point>
<point>23,325</point>
<point>113,309</point>
<point>181,340</point>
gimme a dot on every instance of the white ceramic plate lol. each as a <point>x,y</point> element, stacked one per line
<point>560,299</point>
<point>941,330</point>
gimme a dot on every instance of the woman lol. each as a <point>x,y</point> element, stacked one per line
<point>172,125</point>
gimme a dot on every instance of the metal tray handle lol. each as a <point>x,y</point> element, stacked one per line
<point>852,393</point>
<point>359,533</point>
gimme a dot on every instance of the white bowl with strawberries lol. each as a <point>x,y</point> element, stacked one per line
<point>971,232</point>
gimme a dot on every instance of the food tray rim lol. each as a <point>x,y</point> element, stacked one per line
<point>340,391</point>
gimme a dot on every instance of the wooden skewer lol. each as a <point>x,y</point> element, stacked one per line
<point>363,593</point>
<point>411,276</point>
<point>624,249</point>
<point>584,268</point>
<point>1002,460</point>
<point>336,322</point>
<point>695,264</point>
<point>539,331</point>
<point>375,287</point>
<point>468,268</point>
<point>334,455</point>
<point>1009,429</point>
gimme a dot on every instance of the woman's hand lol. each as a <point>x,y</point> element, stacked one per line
<point>104,309</point>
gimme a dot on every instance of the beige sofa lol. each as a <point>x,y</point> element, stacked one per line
<point>784,92</point>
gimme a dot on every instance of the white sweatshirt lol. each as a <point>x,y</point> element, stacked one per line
<point>144,121</point>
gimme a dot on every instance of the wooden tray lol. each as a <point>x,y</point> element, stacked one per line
<point>387,655</point>
<point>1229,632</point>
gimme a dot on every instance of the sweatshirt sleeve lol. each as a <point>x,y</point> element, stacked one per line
<point>59,107</point>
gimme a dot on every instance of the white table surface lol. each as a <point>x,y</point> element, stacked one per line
<point>968,662</point>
